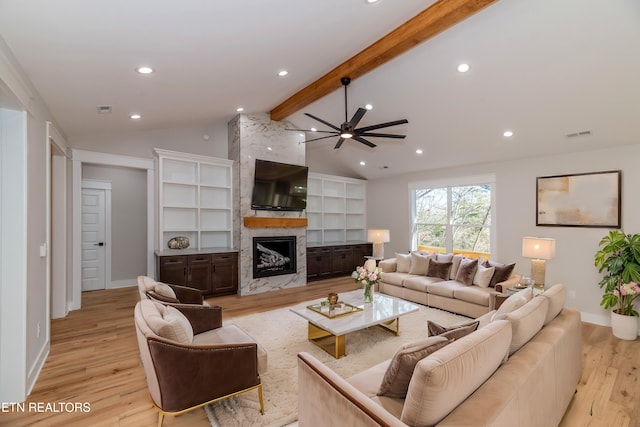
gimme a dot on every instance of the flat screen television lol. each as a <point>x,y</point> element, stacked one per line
<point>279,186</point>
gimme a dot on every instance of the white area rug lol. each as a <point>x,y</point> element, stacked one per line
<point>284,334</point>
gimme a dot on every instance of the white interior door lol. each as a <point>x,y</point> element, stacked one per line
<point>93,239</point>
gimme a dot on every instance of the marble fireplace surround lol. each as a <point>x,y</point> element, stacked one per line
<point>255,136</point>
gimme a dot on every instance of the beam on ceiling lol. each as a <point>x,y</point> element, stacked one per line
<point>441,15</point>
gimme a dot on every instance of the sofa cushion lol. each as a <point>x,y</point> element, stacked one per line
<point>466,271</point>
<point>556,296</point>
<point>394,278</point>
<point>526,322</point>
<point>419,264</point>
<point>444,258</point>
<point>483,276</point>
<point>444,288</point>
<point>452,332</point>
<point>473,294</point>
<point>443,380</point>
<point>403,263</point>
<point>439,269</point>
<point>502,273</point>
<point>514,302</point>
<point>455,264</point>
<point>420,283</point>
<point>396,379</point>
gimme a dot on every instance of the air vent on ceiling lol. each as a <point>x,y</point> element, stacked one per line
<point>104,109</point>
<point>576,134</point>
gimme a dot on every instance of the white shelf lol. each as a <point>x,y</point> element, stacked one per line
<point>336,209</point>
<point>194,199</point>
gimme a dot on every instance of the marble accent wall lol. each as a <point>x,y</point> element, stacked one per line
<point>255,136</point>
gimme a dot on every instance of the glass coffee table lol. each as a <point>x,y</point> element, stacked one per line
<point>328,330</point>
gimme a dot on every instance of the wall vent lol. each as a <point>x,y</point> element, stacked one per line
<point>104,109</point>
<point>576,134</point>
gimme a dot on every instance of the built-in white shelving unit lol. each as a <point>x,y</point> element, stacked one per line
<point>336,209</point>
<point>194,199</point>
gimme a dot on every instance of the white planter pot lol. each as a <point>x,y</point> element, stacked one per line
<point>624,327</point>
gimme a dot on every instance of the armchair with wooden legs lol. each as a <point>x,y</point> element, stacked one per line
<point>191,359</point>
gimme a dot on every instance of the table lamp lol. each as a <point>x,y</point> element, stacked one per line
<point>378,237</point>
<point>539,249</point>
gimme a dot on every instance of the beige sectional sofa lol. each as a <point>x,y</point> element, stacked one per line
<point>520,368</point>
<point>446,281</point>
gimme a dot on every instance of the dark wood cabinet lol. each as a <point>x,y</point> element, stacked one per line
<point>324,262</point>
<point>213,273</point>
<point>318,263</point>
<point>224,277</point>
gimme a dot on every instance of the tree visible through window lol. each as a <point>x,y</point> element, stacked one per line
<point>453,219</point>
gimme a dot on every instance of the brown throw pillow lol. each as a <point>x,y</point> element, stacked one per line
<point>439,269</point>
<point>467,271</point>
<point>395,382</point>
<point>451,332</point>
<point>502,273</point>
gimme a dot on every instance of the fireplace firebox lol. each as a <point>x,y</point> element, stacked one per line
<point>274,256</point>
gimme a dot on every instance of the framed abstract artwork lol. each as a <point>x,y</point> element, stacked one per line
<point>579,200</point>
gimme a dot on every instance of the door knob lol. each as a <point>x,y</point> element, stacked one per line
<point>99,244</point>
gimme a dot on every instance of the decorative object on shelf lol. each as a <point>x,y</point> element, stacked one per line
<point>368,278</point>
<point>539,249</point>
<point>579,200</point>
<point>619,256</point>
<point>378,237</point>
<point>179,242</point>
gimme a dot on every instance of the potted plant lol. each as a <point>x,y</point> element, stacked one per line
<point>619,257</point>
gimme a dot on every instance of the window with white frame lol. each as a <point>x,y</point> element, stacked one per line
<point>453,216</point>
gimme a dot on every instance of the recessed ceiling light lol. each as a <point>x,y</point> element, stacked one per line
<point>369,107</point>
<point>313,129</point>
<point>269,148</point>
<point>463,68</point>
<point>362,163</point>
<point>419,151</point>
<point>371,1</point>
<point>507,133</point>
<point>302,135</point>
<point>239,109</point>
<point>145,70</point>
<point>135,116</point>
<point>283,73</point>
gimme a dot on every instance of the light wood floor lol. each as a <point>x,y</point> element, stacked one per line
<point>94,358</point>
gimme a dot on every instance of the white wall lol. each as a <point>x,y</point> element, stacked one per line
<point>515,216</point>
<point>128,220</point>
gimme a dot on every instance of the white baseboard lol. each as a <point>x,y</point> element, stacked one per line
<point>34,372</point>
<point>115,284</point>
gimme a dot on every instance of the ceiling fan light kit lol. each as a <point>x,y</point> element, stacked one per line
<point>348,130</point>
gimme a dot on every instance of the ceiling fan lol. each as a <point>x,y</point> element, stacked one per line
<point>348,130</point>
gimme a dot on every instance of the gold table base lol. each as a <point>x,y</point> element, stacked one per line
<point>336,345</point>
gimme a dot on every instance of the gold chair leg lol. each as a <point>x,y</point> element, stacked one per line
<point>260,398</point>
<point>160,418</point>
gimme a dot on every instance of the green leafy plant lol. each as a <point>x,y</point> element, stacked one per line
<point>619,257</point>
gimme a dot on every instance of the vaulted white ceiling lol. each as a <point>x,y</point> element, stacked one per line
<point>541,68</point>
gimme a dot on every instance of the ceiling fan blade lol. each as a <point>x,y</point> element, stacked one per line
<point>322,121</point>
<point>383,135</point>
<point>316,131</point>
<point>339,143</point>
<point>322,137</point>
<point>364,141</point>
<point>357,117</point>
<point>381,125</point>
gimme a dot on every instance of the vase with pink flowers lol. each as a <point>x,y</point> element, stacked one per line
<point>367,278</point>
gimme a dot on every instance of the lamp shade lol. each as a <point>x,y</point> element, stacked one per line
<point>538,247</point>
<point>378,235</point>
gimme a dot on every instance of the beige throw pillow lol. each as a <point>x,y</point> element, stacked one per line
<point>165,290</point>
<point>483,276</point>
<point>419,264</point>
<point>556,296</point>
<point>398,375</point>
<point>512,303</point>
<point>177,326</point>
<point>403,263</point>
<point>455,264</point>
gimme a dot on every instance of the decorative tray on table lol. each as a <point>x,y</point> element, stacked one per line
<point>334,310</point>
